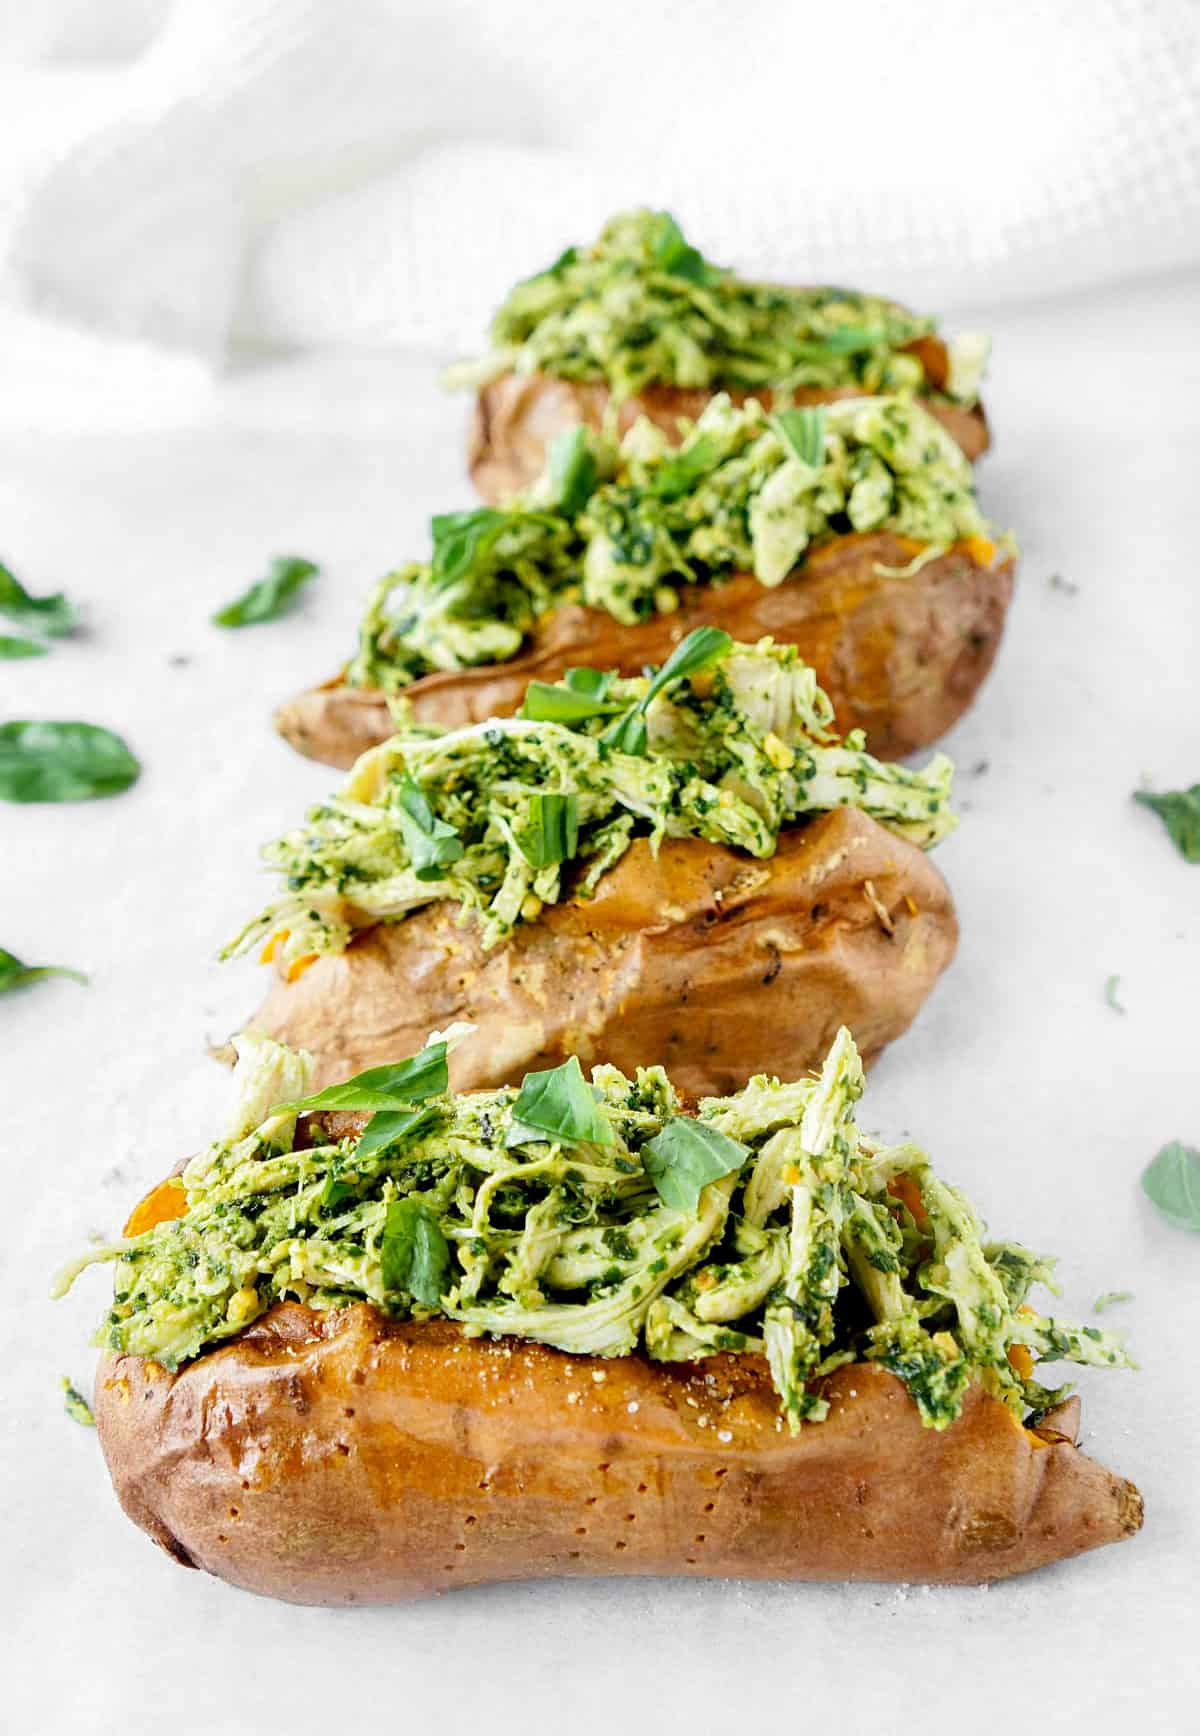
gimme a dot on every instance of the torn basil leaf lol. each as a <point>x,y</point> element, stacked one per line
<point>673,253</point>
<point>702,647</point>
<point>76,1406</point>
<point>685,1157</point>
<point>582,694</point>
<point>52,616</point>
<point>679,475</point>
<point>63,762</point>
<point>15,975</point>
<point>1179,811</point>
<point>1111,985</point>
<point>1172,1183</point>
<point>553,831</point>
<point>414,1255</point>
<point>271,597</point>
<point>460,539</point>
<point>11,648</point>
<point>803,433</point>
<point>558,1105</point>
<point>396,1085</point>
<point>571,468</point>
<point>433,845</point>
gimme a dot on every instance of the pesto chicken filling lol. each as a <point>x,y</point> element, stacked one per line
<point>641,307</point>
<point>602,1220</point>
<point>625,528</point>
<point>728,742</point>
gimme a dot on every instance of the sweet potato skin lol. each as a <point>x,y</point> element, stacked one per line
<point>704,959</point>
<point>342,1458</point>
<point>517,416</point>
<point>901,658</point>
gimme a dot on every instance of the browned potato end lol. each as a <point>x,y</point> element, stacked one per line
<point>901,657</point>
<point>703,959</point>
<point>342,1458</point>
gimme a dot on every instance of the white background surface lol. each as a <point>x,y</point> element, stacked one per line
<point>1026,1087</point>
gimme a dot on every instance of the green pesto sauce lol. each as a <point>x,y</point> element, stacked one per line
<point>801,1254</point>
<point>733,757</point>
<point>734,497</point>
<point>641,307</point>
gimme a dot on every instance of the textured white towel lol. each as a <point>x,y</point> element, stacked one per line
<point>378,172</point>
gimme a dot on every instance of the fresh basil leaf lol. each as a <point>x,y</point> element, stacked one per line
<point>460,539</point>
<point>1111,984</point>
<point>679,475</point>
<point>271,597</point>
<point>703,647</point>
<point>15,975</point>
<point>675,254</point>
<point>850,340</point>
<point>568,256</point>
<point>594,683</point>
<point>685,1157</point>
<point>414,1255</point>
<point>803,431</point>
<point>553,831</point>
<point>1179,811</point>
<point>62,762</point>
<point>52,616</point>
<point>1172,1183</point>
<point>395,1085</point>
<point>567,702</point>
<point>433,846</point>
<point>560,1105</point>
<point>571,469</point>
<point>1110,1298</point>
<point>11,648</point>
<point>390,1126</point>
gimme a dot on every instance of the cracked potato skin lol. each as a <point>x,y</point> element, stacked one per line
<point>709,961</point>
<point>517,416</point>
<point>343,1458</point>
<point>901,658</point>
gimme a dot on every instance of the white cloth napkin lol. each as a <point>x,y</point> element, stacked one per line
<point>300,172</point>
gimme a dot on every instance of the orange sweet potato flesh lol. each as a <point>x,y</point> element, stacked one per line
<point>518,415</point>
<point>342,1458</point>
<point>704,959</point>
<point>901,658</point>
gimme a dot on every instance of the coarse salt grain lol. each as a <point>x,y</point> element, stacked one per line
<point>724,1434</point>
<point>598,1375</point>
<point>633,1407</point>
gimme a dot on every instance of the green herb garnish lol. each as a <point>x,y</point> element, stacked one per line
<point>803,432</point>
<point>76,1406</point>
<point>271,597</point>
<point>1172,1183</point>
<point>571,470</point>
<point>1179,811</point>
<point>1111,985</point>
<point>414,1255</point>
<point>685,1157</point>
<point>12,648</point>
<point>461,539</point>
<point>53,617</point>
<point>702,647</point>
<point>393,1086</point>
<point>15,975</point>
<point>552,834</point>
<point>1110,1298</point>
<point>432,844</point>
<point>63,762</point>
<point>558,1105</point>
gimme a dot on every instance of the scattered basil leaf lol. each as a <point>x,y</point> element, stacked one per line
<point>553,831</point>
<point>15,975</point>
<point>1110,994</point>
<point>414,1255</point>
<point>11,648</point>
<point>53,616</point>
<point>389,1126</point>
<point>558,1104</point>
<point>433,846</point>
<point>460,539</point>
<point>803,431</point>
<point>850,340</point>
<point>702,647</point>
<point>1172,1183</point>
<point>62,762</point>
<point>396,1085</point>
<point>571,468</point>
<point>1179,811</point>
<point>574,700</point>
<point>679,475</point>
<point>675,254</point>
<point>568,256</point>
<point>685,1157</point>
<point>271,597</point>
<point>1110,1298</point>
<point>76,1406</point>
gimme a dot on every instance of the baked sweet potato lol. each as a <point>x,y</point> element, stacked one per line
<point>710,961</point>
<point>748,1340</point>
<point>901,657</point>
<point>517,416</point>
<point>344,1458</point>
